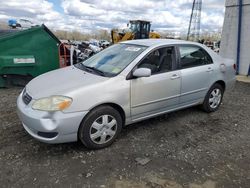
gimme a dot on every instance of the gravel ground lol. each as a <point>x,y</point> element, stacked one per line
<point>188,148</point>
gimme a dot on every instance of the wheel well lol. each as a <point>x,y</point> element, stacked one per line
<point>115,106</point>
<point>222,83</point>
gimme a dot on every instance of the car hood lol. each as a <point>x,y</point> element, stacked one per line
<point>61,81</point>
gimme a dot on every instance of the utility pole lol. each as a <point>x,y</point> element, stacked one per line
<point>195,21</point>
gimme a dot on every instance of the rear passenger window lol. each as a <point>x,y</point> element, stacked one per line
<point>193,56</point>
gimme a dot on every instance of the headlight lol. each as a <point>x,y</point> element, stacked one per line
<point>53,103</point>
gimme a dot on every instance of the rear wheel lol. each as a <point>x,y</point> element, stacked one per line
<point>213,98</point>
<point>100,128</point>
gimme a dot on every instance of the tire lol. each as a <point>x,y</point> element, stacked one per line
<point>213,98</point>
<point>100,127</point>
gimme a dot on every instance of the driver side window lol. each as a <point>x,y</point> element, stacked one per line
<point>159,61</point>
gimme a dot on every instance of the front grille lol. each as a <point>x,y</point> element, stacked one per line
<point>26,97</point>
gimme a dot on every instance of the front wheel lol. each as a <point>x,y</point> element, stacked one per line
<point>100,128</point>
<point>213,98</point>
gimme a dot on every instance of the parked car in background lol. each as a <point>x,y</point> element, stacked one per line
<point>21,23</point>
<point>95,45</point>
<point>104,43</point>
<point>123,84</point>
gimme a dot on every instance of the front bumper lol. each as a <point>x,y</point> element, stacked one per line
<point>49,127</point>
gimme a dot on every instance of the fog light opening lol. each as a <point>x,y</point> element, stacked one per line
<point>47,134</point>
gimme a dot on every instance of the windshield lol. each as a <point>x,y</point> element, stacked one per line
<point>113,59</point>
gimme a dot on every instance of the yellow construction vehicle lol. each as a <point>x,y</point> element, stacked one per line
<point>137,29</point>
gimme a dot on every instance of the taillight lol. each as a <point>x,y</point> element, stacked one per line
<point>234,66</point>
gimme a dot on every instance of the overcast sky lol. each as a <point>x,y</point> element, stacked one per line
<point>89,15</point>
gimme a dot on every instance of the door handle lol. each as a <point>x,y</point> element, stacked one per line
<point>209,69</point>
<point>175,76</point>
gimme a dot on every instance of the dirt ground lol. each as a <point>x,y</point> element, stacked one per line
<point>188,148</point>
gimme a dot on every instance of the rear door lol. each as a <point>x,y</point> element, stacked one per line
<point>196,68</point>
<point>159,92</point>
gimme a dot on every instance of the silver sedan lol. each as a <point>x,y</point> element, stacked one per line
<point>125,83</point>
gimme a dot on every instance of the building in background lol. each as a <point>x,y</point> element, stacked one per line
<point>235,41</point>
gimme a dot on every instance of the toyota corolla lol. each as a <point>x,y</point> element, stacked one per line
<point>125,83</point>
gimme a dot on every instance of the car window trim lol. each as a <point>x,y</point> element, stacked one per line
<point>174,63</point>
<point>179,55</point>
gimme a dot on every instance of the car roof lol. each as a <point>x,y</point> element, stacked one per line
<point>157,42</point>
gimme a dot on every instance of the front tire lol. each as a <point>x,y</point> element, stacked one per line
<point>100,128</point>
<point>213,98</point>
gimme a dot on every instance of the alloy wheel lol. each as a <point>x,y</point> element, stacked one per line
<point>215,98</point>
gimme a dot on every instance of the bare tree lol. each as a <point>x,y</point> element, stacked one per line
<point>76,35</point>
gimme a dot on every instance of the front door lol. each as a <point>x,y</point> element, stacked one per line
<point>159,92</point>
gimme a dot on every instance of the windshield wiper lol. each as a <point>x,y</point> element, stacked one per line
<point>80,66</point>
<point>90,69</point>
<point>95,70</point>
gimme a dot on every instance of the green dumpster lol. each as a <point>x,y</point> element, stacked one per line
<point>26,54</point>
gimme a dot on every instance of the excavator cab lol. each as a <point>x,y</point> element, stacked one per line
<point>140,28</point>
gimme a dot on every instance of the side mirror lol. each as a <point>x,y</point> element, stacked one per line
<point>142,72</point>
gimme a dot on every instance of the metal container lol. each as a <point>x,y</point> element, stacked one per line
<point>25,54</point>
